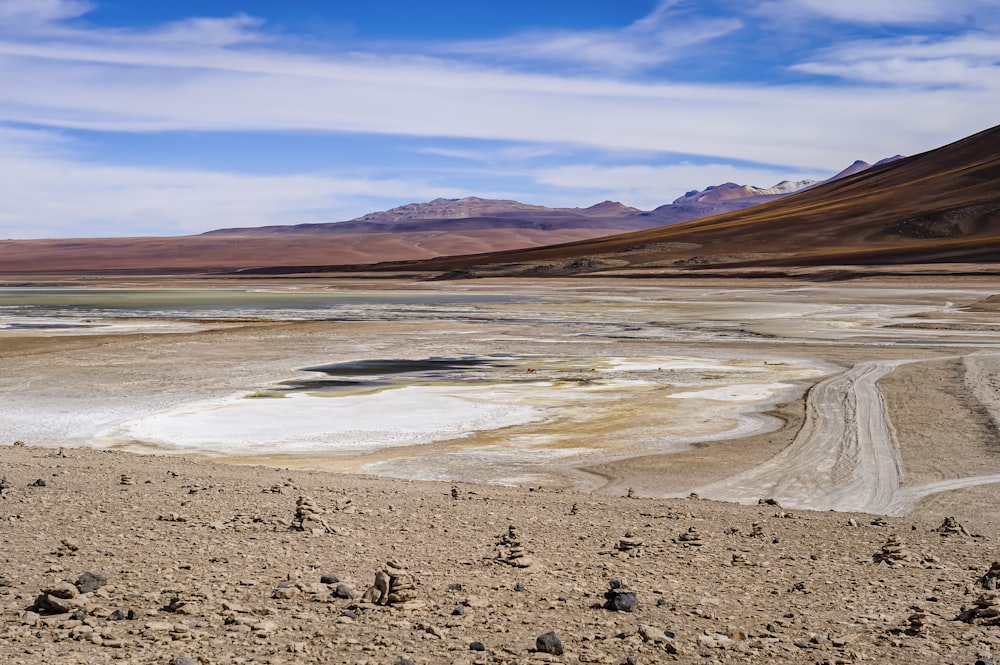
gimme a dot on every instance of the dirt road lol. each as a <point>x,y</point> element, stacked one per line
<point>844,457</point>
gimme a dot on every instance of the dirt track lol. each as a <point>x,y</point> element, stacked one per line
<point>845,456</point>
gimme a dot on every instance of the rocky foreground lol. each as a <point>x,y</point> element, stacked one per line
<point>109,556</point>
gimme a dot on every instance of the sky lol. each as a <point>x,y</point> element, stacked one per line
<point>174,117</point>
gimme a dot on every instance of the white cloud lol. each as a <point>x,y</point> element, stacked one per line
<point>49,194</point>
<point>21,13</point>
<point>887,12</point>
<point>668,31</point>
<point>970,60</point>
<point>157,88</point>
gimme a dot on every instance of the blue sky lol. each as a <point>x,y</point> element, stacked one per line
<point>143,117</point>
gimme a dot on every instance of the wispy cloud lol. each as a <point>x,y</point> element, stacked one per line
<point>971,60</point>
<point>22,13</point>
<point>885,12</point>
<point>663,35</point>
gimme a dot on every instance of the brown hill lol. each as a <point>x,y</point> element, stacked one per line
<point>939,206</point>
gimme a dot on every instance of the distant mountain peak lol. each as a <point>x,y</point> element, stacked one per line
<point>609,208</point>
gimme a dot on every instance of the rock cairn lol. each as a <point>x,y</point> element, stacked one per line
<point>893,552</point>
<point>740,559</point>
<point>619,599</point>
<point>63,597</point>
<point>58,598</point>
<point>690,538</point>
<point>630,494</point>
<point>309,517</point>
<point>986,612</point>
<point>991,580</point>
<point>630,544</point>
<point>757,530</point>
<point>4,485</point>
<point>574,509</point>
<point>126,479</point>
<point>511,549</point>
<point>916,622</point>
<point>393,586</point>
<point>951,527</point>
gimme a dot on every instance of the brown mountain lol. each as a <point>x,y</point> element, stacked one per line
<point>935,207</point>
<point>416,231</point>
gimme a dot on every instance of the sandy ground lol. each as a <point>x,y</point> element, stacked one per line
<point>209,562</point>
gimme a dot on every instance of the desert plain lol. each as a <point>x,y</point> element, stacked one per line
<point>779,470</point>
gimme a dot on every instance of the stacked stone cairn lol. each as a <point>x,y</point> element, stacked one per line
<point>757,530</point>
<point>986,612</point>
<point>741,559</point>
<point>618,598</point>
<point>126,480</point>
<point>893,552</point>
<point>991,580</point>
<point>511,549</point>
<point>690,538</point>
<point>630,544</point>
<point>951,527</point>
<point>309,517</point>
<point>917,622</point>
<point>63,597</point>
<point>393,586</point>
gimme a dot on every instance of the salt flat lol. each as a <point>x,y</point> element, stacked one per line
<point>585,376</point>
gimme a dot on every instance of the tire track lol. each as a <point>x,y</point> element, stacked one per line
<point>844,457</point>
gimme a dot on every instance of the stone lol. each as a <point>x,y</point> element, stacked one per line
<point>991,580</point>
<point>986,611</point>
<point>510,549</point>
<point>393,586</point>
<point>619,599</point>
<point>477,646</point>
<point>309,518</point>
<point>90,582</point>
<point>652,634</point>
<point>951,527</point>
<point>630,544</point>
<point>549,643</point>
<point>916,622</point>
<point>740,559</point>
<point>690,538</point>
<point>184,660</point>
<point>285,591</point>
<point>893,552</point>
<point>344,592</point>
<point>61,590</point>
<point>329,579</point>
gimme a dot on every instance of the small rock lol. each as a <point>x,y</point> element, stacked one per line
<point>549,643</point>
<point>329,579</point>
<point>90,582</point>
<point>477,646</point>
<point>344,591</point>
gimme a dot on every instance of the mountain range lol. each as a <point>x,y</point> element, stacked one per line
<point>722,225</point>
<point>938,207</point>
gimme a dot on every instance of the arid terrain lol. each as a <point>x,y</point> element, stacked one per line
<point>874,398</point>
